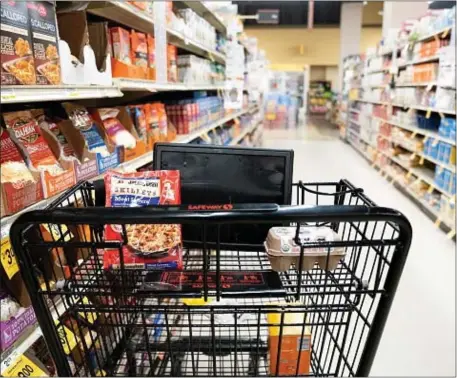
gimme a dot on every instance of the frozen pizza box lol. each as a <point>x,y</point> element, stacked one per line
<point>84,50</point>
<point>43,27</point>
<point>148,246</point>
<point>17,63</point>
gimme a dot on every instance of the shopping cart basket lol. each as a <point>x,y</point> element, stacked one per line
<point>232,316</point>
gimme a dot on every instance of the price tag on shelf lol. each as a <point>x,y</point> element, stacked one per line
<point>441,114</point>
<point>428,114</point>
<point>8,94</point>
<point>421,161</point>
<point>425,139</point>
<point>71,92</point>
<point>23,367</point>
<point>451,234</point>
<point>430,189</point>
<point>409,174</point>
<point>437,222</point>
<point>210,56</point>
<point>445,33</point>
<point>8,259</point>
<point>413,156</point>
<point>413,135</point>
<point>429,87</point>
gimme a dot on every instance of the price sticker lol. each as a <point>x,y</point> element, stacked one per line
<point>23,367</point>
<point>421,161</point>
<point>430,189</point>
<point>429,87</point>
<point>72,92</point>
<point>8,259</point>
<point>441,114</point>
<point>437,222</point>
<point>409,174</point>
<point>67,338</point>
<point>413,156</point>
<point>413,135</point>
<point>428,114</point>
<point>211,57</point>
<point>445,33</point>
<point>451,234</point>
<point>8,94</point>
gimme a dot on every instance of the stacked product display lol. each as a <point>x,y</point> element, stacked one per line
<point>402,116</point>
<point>166,89</point>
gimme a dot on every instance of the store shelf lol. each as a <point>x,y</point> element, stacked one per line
<point>425,108</point>
<point>11,94</point>
<point>244,133</point>
<point>419,61</point>
<point>180,40</point>
<point>424,84</point>
<point>123,13</point>
<point>126,84</point>
<point>437,33</point>
<point>202,10</point>
<point>354,111</point>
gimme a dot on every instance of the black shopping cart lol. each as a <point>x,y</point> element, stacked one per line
<point>227,313</point>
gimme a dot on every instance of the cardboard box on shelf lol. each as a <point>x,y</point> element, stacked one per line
<point>89,43</point>
<point>17,63</point>
<point>43,26</point>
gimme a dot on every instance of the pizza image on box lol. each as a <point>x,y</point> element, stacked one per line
<point>149,246</point>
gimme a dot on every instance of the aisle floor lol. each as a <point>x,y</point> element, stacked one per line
<point>419,338</point>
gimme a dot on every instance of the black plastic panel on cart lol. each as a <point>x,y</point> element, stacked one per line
<point>213,175</point>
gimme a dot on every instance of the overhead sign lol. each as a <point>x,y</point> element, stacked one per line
<point>268,16</point>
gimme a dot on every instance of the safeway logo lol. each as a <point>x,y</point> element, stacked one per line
<point>210,207</point>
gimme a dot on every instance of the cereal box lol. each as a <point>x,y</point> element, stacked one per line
<point>17,62</point>
<point>43,26</point>
<point>149,246</point>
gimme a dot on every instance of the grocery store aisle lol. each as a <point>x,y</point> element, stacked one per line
<point>419,338</point>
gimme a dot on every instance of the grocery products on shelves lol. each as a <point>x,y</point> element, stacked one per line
<point>401,116</point>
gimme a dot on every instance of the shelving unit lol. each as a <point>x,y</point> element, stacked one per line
<point>362,107</point>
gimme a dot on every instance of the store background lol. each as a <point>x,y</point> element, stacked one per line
<point>277,73</point>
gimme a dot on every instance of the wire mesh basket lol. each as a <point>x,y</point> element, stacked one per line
<point>227,312</point>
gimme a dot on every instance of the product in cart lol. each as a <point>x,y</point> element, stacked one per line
<point>44,39</point>
<point>26,133</point>
<point>283,246</point>
<point>154,246</point>
<point>18,65</point>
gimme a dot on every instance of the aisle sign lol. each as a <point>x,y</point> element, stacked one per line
<point>8,259</point>
<point>23,367</point>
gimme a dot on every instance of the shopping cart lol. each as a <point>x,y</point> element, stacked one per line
<point>221,321</point>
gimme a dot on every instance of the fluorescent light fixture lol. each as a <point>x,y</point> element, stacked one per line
<point>365,3</point>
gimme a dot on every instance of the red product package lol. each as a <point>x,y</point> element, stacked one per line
<point>149,246</point>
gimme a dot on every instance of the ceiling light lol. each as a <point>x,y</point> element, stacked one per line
<point>365,3</point>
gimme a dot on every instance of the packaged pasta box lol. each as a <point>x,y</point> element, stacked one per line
<point>43,26</point>
<point>149,246</point>
<point>17,63</point>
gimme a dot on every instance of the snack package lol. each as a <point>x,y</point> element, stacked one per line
<point>115,129</point>
<point>172,63</point>
<point>152,122</point>
<point>162,122</point>
<point>12,165</point>
<point>138,117</point>
<point>151,54</point>
<point>46,122</point>
<point>17,63</point>
<point>44,40</point>
<point>120,42</point>
<point>83,121</point>
<point>27,134</point>
<point>10,308</point>
<point>150,246</point>
<point>139,49</point>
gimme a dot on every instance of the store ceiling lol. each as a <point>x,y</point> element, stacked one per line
<point>295,13</point>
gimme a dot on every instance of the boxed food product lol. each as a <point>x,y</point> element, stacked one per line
<point>283,251</point>
<point>43,26</point>
<point>120,42</point>
<point>114,128</point>
<point>292,342</point>
<point>139,49</point>
<point>150,246</point>
<point>19,186</point>
<point>151,57</point>
<point>152,122</point>
<point>27,134</point>
<point>14,320</point>
<point>94,137</point>
<point>172,63</point>
<point>121,130</point>
<point>138,117</point>
<point>18,66</point>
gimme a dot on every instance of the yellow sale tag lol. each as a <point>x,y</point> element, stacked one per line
<point>8,259</point>
<point>67,338</point>
<point>413,135</point>
<point>408,175</point>
<point>421,161</point>
<point>428,114</point>
<point>100,373</point>
<point>437,222</point>
<point>23,367</point>
<point>91,317</point>
<point>445,33</point>
<point>430,189</point>
<point>451,234</point>
<point>57,232</point>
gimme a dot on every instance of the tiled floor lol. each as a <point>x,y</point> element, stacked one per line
<point>419,338</point>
